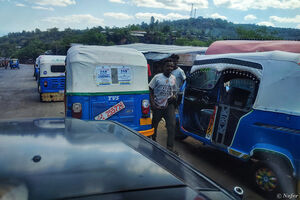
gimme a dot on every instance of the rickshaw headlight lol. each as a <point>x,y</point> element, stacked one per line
<point>77,110</point>
<point>76,107</point>
<point>145,103</point>
<point>145,107</point>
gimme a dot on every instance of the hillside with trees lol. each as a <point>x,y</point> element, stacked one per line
<point>199,31</point>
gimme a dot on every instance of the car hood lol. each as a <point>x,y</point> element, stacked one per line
<point>59,158</point>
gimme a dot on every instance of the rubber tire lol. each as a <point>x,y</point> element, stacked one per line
<point>178,134</point>
<point>41,100</point>
<point>285,181</point>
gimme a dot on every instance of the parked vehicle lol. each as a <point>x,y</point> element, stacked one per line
<point>108,83</point>
<point>71,158</point>
<point>247,105</point>
<point>14,63</point>
<point>51,79</point>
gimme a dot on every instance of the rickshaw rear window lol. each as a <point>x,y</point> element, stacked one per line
<point>58,68</point>
<point>204,78</point>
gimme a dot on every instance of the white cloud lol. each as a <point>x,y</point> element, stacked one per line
<point>74,21</point>
<point>61,3</point>
<point>120,16</point>
<point>42,8</point>
<point>117,1</point>
<point>295,19</point>
<point>170,16</point>
<point>258,4</point>
<point>250,17</point>
<point>172,4</point>
<point>265,24</point>
<point>20,5</point>
<point>298,26</point>
<point>216,15</point>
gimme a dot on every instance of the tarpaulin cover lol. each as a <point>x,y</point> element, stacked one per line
<point>279,89</point>
<point>244,46</point>
<point>83,63</point>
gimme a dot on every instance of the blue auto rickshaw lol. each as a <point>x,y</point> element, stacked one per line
<point>51,78</point>
<point>108,83</point>
<point>14,63</point>
<point>248,105</point>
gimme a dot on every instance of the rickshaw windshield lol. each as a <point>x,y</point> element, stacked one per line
<point>204,78</point>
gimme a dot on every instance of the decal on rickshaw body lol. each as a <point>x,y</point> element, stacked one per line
<point>111,111</point>
<point>113,98</point>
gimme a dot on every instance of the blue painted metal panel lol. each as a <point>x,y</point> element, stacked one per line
<point>54,84</point>
<point>261,130</point>
<point>95,105</point>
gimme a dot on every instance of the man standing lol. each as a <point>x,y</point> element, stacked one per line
<point>178,72</point>
<point>163,99</point>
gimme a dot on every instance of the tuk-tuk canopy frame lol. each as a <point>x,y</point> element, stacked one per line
<point>279,77</point>
<point>82,63</point>
<point>46,61</point>
<point>247,46</point>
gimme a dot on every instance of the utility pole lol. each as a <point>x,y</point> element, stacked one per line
<point>191,14</point>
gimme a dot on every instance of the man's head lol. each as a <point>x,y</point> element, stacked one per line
<point>168,67</point>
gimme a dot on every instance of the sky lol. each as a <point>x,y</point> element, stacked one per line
<point>19,15</point>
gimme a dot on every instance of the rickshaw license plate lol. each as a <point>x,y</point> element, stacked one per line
<point>111,111</point>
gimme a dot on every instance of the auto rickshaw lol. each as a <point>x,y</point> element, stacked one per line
<point>248,105</point>
<point>14,63</point>
<point>108,83</point>
<point>51,78</point>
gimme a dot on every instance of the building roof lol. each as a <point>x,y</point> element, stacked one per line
<point>169,49</point>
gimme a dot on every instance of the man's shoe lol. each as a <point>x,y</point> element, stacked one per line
<point>173,151</point>
<point>153,138</point>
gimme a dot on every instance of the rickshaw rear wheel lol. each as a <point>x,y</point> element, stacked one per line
<point>272,178</point>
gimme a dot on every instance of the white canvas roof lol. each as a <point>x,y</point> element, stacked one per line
<point>279,89</point>
<point>45,63</point>
<point>83,61</point>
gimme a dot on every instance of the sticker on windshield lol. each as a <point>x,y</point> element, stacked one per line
<point>124,75</point>
<point>103,75</point>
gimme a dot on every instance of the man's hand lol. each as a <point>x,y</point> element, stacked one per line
<point>172,99</point>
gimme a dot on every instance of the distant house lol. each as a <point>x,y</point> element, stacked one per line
<point>138,33</point>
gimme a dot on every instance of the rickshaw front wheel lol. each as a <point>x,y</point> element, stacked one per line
<point>272,179</point>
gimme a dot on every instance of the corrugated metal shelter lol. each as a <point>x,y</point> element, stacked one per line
<point>157,52</point>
